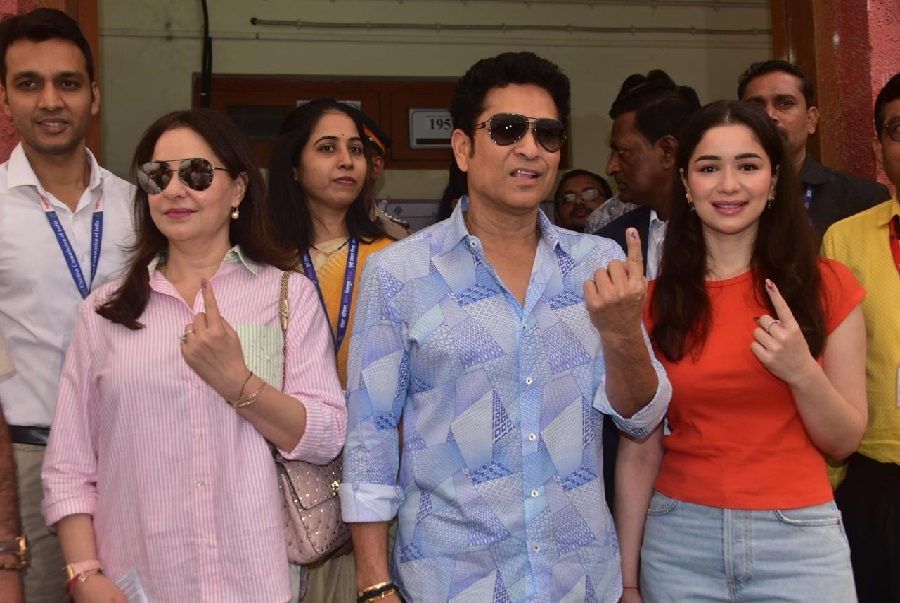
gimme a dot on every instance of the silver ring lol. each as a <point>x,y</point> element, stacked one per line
<point>183,336</point>
<point>768,327</point>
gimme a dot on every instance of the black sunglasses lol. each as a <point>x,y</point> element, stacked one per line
<point>196,173</point>
<point>509,128</point>
<point>893,130</point>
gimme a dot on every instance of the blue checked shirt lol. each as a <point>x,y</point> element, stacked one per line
<point>499,492</point>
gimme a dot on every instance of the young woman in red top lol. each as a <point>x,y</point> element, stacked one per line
<point>765,346</point>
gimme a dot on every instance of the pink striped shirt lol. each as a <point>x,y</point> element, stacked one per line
<point>181,488</point>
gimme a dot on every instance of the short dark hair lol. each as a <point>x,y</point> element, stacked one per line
<point>889,93</point>
<point>661,107</point>
<point>251,230</point>
<point>40,25</point>
<point>289,205</point>
<point>604,185</point>
<point>500,71</point>
<point>772,66</point>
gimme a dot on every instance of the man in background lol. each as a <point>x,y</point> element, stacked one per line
<point>378,142</point>
<point>782,91</point>
<point>578,193</point>
<point>63,223</point>
<point>869,497</point>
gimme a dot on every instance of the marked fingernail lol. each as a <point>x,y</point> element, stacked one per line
<point>203,283</point>
<point>632,233</point>
<point>770,285</point>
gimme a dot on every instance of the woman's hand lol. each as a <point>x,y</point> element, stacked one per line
<point>780,344</point>
<point>97,589</point>
<point>631,595</point>
<point>211,347</point>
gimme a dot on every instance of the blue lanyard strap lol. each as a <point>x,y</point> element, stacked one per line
<point>807,195</point>
<point>346,291</point>
<point>84,287</point>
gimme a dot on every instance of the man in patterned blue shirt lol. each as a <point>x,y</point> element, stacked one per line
<point>485,352</point>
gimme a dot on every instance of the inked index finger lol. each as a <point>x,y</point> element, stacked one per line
<point>633,252</point>
<point>209,300</point>
<point>782,310</point>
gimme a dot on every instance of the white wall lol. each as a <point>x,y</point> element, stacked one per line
<point>150,49</point>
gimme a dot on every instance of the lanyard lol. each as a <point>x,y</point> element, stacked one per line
<point>807,195</point>
<point>346,291</point>
<point>895,243</point>
<point>84,287</point>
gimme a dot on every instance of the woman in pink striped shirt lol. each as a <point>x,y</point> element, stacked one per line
<point>159,468</point>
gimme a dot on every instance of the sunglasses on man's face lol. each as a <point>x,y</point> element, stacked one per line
<point>196,173</point>
<point>509,128</point>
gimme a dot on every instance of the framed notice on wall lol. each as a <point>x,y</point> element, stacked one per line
<point>430,128</point>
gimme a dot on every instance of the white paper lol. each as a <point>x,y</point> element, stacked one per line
<point>130,585</point>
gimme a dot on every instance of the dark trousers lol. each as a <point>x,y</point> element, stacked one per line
<point>869,500</point>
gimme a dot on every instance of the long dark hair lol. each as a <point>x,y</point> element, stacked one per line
<point>252,230</point>
<point>289,207</point>
<point>784,251</point>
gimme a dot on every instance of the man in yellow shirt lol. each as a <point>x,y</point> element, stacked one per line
<point>869,244</point>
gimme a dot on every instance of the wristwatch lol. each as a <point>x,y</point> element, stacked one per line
<point>14,554</point>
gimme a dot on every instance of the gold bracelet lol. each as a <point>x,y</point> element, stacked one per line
<point>244,384</point>
<point>373,588</point>
<point>251,398</point>
<point>382,595</point>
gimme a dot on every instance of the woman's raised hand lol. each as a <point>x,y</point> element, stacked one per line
<point>211,347</point>
<point>780,344</point>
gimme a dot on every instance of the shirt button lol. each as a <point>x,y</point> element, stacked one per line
<point>532,437</point>
<point>524,327</point>
<point>535,548</point>
<point>201,483</point>
<point>472,243</point>
<point>534,493</point>
<point>529,380</point>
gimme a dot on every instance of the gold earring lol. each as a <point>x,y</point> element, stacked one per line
<point>235,213</point>
<point>689,201</point>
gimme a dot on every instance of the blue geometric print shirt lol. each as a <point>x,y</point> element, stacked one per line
<point>499,495</point>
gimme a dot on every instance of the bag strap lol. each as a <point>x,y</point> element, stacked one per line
<point>284,308</point>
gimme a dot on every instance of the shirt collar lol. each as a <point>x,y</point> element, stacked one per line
<point>812,172</point>
<point>235,255</point>
<point>886,211</point>
<point>20,172</point>
<point>458,232</point>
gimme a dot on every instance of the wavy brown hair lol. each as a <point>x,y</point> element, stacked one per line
<point>785,249</point>
<point>252,230</point>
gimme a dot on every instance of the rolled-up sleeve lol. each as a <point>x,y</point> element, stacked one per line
<point>311,377</point>
<point>645,420</point>
<point>377,381</point>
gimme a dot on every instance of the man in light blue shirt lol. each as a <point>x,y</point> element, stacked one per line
<point>485,352</point>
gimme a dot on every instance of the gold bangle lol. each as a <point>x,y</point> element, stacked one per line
<point>251,398</point>
<point>387,593</point>
<point>373,588</point>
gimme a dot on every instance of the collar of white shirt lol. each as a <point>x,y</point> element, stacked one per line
<point>20,173</point>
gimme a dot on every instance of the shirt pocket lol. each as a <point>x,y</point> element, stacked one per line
<point>263,348</point>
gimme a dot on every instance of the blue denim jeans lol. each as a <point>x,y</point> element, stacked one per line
<point>693,553</point>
